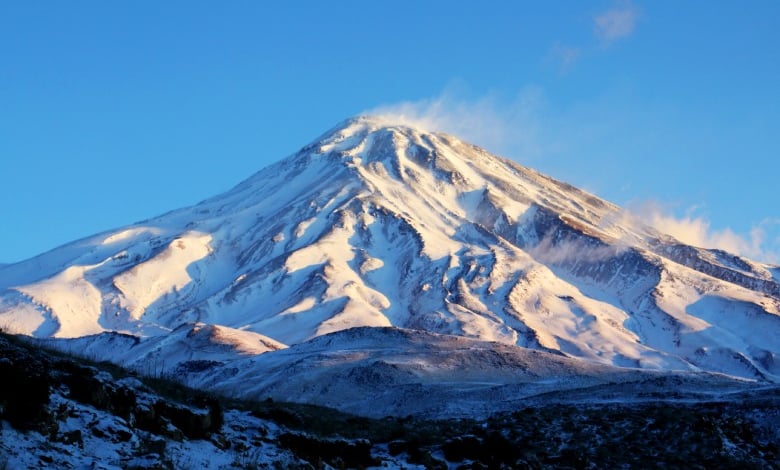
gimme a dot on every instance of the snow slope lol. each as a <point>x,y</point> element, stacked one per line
<point>376,225</point>
<point>390,371</point>
<point>381,371</point>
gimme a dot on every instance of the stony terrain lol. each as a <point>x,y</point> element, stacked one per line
<point>58,411</point>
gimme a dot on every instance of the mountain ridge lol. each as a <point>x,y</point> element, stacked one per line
<point>382,225</point>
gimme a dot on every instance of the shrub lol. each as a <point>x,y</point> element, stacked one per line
<point>336,452</point>
<point>24,395</point>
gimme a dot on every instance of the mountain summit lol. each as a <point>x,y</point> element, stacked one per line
<point>382,225</point>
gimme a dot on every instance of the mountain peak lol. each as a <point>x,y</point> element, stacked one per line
<point>361,126</point>
<point>385,121</point>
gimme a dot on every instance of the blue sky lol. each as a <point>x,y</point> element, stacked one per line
<point>113,112</point>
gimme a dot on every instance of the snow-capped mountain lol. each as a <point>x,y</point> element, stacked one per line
<point>382,225</point>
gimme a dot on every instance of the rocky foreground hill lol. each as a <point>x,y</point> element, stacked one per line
<point>59,411</point>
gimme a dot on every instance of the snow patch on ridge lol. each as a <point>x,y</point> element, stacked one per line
<point>167,274</point>
<point>73,301</point>
<point>130,233</point>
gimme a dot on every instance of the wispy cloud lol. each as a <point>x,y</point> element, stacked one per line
<point>698,231</point>
<point>565,55</point>
<point>507,126</point>
<point>609,26</point>
<point>616,23</point>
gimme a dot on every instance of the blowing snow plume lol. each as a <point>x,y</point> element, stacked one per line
<point>507,126</point>
<point>698,231</point>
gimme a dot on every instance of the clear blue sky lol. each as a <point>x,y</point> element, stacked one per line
<point>112,112</point>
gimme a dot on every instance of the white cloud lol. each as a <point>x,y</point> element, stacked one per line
<point>609,26</point>
<point>697,231</point>
<point>505,126</point>
<point>565,55</point>
<point>616,23</point>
